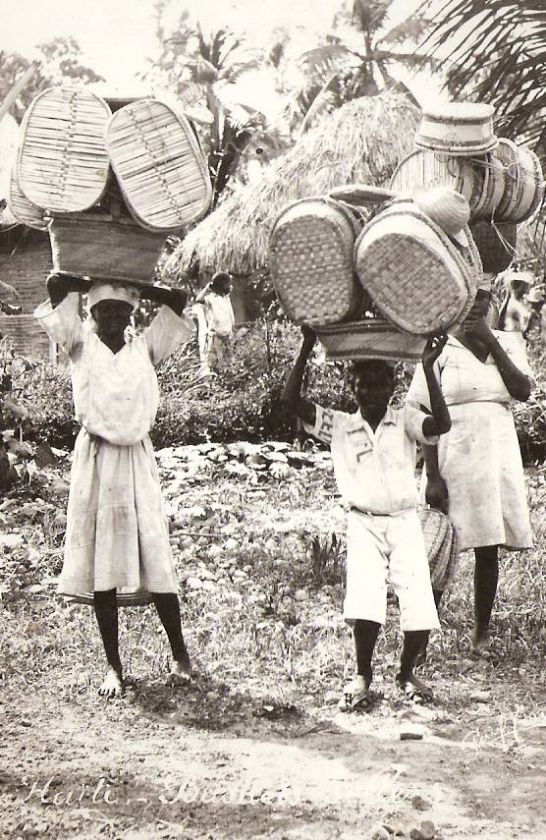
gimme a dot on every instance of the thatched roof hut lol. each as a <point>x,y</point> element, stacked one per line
<point>361,142</point>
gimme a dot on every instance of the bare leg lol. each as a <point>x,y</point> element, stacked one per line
<point>422,655</point>
<point>168,610</point>
<point>106,612</point>
<point>486,575</point>
<point>412,686</point>
<point>355,694</point>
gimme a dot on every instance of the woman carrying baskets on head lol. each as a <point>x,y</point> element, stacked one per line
<point>117,535</point>
<point>475,472</point>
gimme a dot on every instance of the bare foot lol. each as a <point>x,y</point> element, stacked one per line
<point>480,643</point>
<point>112,685</point>
<point>180,673</point>
<point>414,689</point>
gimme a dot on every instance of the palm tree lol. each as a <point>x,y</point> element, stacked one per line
<point>202,71</point>
<point>496,52</point>
<point>341,70</point>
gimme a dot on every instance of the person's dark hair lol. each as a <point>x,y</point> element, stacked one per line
<point>363,366</point>
<point>219,280</point>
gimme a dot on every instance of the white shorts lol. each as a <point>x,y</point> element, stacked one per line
<point>383,549</point>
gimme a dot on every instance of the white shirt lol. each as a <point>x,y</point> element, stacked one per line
<point>116,395</point>
<point>219,313</point>
<point>375,471</point>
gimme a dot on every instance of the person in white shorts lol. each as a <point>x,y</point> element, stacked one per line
<point>373,453</point>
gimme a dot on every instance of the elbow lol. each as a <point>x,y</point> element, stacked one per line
<point>522,392</point>
<point>443,427</point>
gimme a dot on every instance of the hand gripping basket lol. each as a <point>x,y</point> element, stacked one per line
<point>441,546</point>
<point>62,164</point>
<point>416,275</point>
<point>100,247</point>
<point>524,182</point>
<point>496,244</point>
<point>370,338</point>
<point>311,262</point>
<point>159,165</point>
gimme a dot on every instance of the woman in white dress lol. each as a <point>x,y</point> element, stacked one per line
<point>476,473</point>
<point>117,535</point>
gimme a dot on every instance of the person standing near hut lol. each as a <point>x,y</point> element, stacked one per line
<point>216,323</point>
<point>373,453</point>
<point>117,535</point>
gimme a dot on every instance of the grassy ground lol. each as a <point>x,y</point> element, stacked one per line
<point>259,549</point>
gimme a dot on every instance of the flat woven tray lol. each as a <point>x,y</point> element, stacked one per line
<point>62,164</point>
<point>496,244</point>
<point>370,338</point>
<point>159,165</point>
<point>22,209</point>
<point>417,277</point>
<point>524,182</point>
<point>311,261</point>
<point>425,168</point>
<point>104,248</point>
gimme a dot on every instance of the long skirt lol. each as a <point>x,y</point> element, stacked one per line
<point>117,534</point>
<point>480,461</point>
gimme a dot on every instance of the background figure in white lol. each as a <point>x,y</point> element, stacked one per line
<point>516,310</point>
<point>215,321</point>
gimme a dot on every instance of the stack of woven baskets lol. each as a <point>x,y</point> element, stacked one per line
<point>108,182</point>
<point>456,147</point>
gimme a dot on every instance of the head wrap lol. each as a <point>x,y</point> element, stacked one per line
<point>112,291</point>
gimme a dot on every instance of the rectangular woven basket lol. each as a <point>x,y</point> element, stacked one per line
<point>103,248</point>
<point>370,338</point>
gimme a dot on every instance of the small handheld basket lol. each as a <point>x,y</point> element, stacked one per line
<point>441,546</point>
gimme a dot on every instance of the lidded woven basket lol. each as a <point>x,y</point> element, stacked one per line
<point>159,165</point>
<point>311,261</point>
<point>62,165</point>
<point>416,275</point>
<point>102,248</point>
<point>425,168</point>
<point>458,128</point>
<point>370,338</point>
<point>524,182</point>
<point>496,244</point>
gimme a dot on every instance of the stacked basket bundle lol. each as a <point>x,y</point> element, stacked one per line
<point>108,186</point>
<point>456,147</point>
<point>375,284</point>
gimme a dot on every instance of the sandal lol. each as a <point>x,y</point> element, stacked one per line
<point>414,689</point>
<point>355,694</point>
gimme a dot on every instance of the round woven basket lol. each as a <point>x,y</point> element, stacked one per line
<point>425,168</point>
<point>496,244</point>
<point>159,165</point>
<point>524,182</point>
<point>458,128</point>
<point>105,249</point>
<point>311,261</point>
<point>415,274</point>
<point>370,338</point>
<point>493,184</point>
<point>62,165</point>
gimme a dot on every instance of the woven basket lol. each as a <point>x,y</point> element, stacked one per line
<point>420,280</point>
<point>311,262</point>
<point>159,165</point>
<point>458,128</point>
<point>124,598</point>
<point>441,546</point>
<point>425,168</point>
<point>370,338</point>
<point>62,164</point>
<point>104,249</point>
<point>22,209</point>
<point>524,182</point>
<point>493,184</point>
<point>496,244</point>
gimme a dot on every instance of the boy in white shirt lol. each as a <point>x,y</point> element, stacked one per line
<point>373,453</point>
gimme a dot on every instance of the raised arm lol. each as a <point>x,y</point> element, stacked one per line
<point>439,421</point>
<point>176,299</point>
<point>60,285</point>
<point>291,396</point>
<point>517,383</point>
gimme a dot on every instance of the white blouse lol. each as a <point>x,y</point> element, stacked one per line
<point>116,395</point>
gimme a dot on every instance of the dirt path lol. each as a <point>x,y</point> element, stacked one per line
<point>169,763</point>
